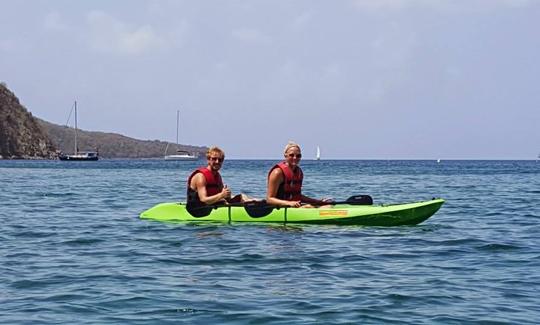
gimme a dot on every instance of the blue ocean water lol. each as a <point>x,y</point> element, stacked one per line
<point>73,250</point>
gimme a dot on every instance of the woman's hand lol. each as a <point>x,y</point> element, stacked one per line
<point>294,204</point>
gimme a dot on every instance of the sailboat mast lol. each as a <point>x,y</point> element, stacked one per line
<point>76,151</point>
<point>177,122</point>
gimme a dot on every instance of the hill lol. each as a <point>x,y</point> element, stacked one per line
<point>111,145</point>
<point>21,136</point>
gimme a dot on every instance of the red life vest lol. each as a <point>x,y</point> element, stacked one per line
<point>291,188</point>
<point>214,184</point>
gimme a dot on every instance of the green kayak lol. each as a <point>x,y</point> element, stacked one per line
<point>339,214</point>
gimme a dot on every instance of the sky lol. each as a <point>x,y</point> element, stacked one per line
<point>362,79</point>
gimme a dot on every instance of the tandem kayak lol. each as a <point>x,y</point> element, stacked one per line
<point>339,214</point>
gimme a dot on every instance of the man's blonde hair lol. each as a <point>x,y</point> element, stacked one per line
<point>215,149</point>
<point>290,145</point>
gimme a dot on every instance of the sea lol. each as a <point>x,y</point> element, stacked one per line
<point>73,249</point>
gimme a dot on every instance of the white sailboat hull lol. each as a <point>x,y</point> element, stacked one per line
<point>81,156</point>
<point>181,157</point>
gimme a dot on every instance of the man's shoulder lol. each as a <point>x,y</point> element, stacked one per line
<point>199,177</point>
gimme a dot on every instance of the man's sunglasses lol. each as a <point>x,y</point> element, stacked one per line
<point>218,159</point>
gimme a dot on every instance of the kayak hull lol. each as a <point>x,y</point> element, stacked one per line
<point>341,214</point>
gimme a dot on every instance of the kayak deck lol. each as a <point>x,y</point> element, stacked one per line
<point>340,214</point>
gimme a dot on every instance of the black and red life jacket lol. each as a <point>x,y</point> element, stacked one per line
<point>291,188</point>
<point>214,185</point>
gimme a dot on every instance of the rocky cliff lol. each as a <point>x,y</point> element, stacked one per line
<point>21,136</point>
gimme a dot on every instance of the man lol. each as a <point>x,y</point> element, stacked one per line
<point>205,186</point>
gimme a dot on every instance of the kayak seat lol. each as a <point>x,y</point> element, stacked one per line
<point>258,209</point>
<point>198,211</point>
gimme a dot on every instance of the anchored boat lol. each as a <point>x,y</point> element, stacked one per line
<point>337,214</point>
<point>180,154</point>
<point>78,155</point>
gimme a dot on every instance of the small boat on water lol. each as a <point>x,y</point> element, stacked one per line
<point>318,157</point>
<point>342,213</point>
<point>180,154</point>
<point>78,155</point>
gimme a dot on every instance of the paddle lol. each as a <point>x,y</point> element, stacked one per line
<point>258,209</point>
<point>353,200</point>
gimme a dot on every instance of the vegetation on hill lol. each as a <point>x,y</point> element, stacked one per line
<point>111,145</point>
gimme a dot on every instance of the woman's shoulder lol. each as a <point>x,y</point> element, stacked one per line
<point>276,171</point>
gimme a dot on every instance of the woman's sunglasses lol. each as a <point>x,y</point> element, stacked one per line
<point>292,155</point>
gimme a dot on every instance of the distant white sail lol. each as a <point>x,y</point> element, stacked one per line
<point>318,153</point>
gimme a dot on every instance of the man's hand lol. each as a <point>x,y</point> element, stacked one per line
<point>226,192</point>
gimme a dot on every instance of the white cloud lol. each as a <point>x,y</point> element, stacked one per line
<point>303,19</point>
<point>110,35</point>
<point>53,21</point>
<point>452,5</point>
<point>249,35</point>
<point>516,3</point>
<point>7,45</point>
<point>392,4</point>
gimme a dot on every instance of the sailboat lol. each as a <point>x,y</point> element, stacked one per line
<point>180,154</point>
<point>78,155</point>
<point>318,157</point>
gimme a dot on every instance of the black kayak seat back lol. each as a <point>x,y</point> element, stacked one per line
<point>361,200</point>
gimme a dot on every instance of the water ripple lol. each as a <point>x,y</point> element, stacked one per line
<point>76,252</point>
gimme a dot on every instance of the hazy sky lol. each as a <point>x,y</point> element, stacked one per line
<point>364,79</point>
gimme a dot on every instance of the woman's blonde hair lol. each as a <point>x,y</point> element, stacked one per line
<point>215,149</point>
<point>290,145</point>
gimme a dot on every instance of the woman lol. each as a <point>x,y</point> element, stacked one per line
<point>285,182</point>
